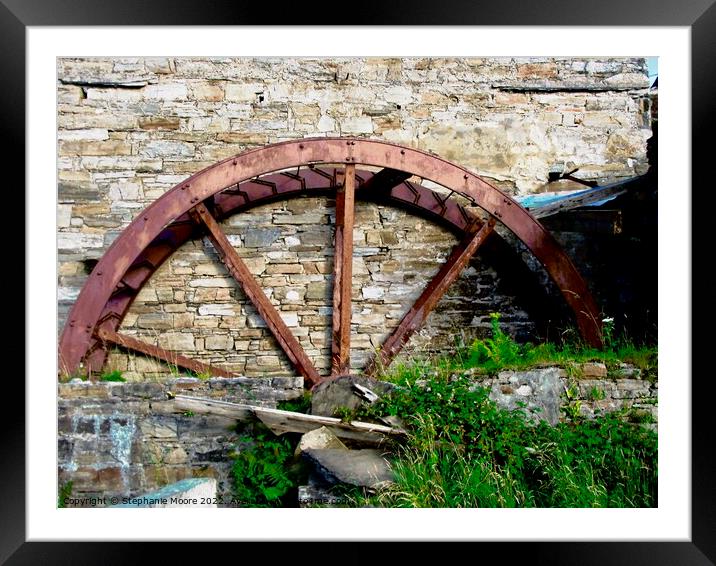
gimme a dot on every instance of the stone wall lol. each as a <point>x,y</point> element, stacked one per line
<point>123,439</point>
<point>585,390</point>
<point>130,129</point>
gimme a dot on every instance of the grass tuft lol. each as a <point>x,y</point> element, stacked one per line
<point>115,375</point>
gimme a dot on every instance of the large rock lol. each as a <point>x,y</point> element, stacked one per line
<point>366,468</point>
<point>341,392</point>
<point>319,438</point>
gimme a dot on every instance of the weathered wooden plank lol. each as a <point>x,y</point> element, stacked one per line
<point>430,296</point>
<point>201,406</point>
<point>287,421</point>
<point>355,430</point>
<point>238,269</point>
<point>343,274</point>
<point>172,358</point>
<point>585,197</point>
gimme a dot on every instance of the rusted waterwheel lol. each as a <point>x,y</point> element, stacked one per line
<point>347,169</point>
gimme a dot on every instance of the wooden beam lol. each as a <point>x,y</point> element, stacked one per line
<point>238,269</point>
<point>586,197</point>
<point>202,406</point>
<point>172,358</point>
<point>343,274</point>
<point>434,291</point>
<point>288,421</point>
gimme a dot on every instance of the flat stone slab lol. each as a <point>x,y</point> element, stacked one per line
<point>319,438</point>
<point>365,468</point>
<point>593,369</point>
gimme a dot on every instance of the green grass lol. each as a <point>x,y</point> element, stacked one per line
<point>596,394</point>
<point>464,451</point>
<point>501,352</point>
<point>115,375</point>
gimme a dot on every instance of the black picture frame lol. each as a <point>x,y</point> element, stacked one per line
<point>699,15</point>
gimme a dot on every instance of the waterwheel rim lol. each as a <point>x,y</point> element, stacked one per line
<point>258,176</point>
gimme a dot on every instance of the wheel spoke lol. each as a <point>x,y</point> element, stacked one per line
<point>240,272</point>
<point>437,287</point>
<point>343,274</point>
<point>130,343</point>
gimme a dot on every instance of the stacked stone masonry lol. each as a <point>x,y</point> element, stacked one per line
<point>130,129</point>
<point>125,439</point>
<point>552,393</point>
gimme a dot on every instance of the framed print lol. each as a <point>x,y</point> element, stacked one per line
<point>101,59</point>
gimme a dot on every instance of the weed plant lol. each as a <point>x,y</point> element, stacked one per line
<point>465,451</point>
<point>265,471</point>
